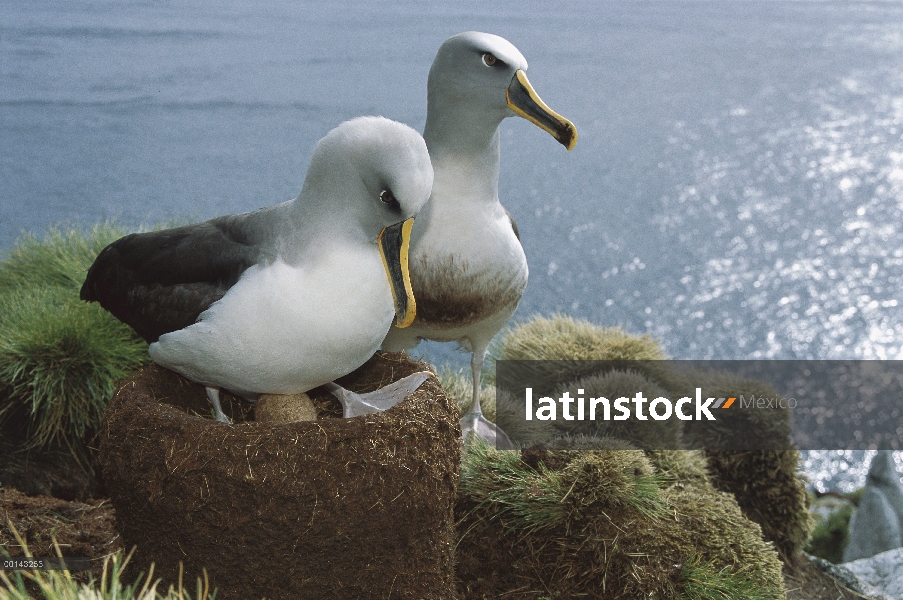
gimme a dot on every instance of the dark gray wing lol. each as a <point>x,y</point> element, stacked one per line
<point>513,223</point>
<point>162,281</point>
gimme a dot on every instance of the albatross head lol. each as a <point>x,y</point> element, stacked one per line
<point>480,78</point>
<point>367,179</point>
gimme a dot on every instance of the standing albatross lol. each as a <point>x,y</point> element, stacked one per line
<point>289,297</point>
<point>468,269</point>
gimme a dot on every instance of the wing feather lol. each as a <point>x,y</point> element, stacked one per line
<point>161,281</point>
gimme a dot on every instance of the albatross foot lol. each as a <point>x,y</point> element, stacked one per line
<point>380,400</point>
<point>474,423</point>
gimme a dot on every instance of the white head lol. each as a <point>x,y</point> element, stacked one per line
<point>478,79</point>
<point>366,174</point>
<point>474,69</point>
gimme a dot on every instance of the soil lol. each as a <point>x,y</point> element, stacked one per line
<point>83,529</point>
<point>61,470</point>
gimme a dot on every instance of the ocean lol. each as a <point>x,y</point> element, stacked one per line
<point>736,191</point>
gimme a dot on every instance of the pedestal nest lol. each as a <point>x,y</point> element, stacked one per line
<point>337,508</point>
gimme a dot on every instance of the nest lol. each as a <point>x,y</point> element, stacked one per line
<point>337,508</point>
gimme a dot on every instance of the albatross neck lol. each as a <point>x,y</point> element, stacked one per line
<point>464,150</point>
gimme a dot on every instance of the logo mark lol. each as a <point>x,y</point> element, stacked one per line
<point>725,401</point>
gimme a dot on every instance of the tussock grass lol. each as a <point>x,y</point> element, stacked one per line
<point>60,585</point>
<point>564,338</point>
<point>60,258</point>
<point>766,484</point>
<point>59,357</point>
<point>704,581</point>
<point>528,499</point>
<point>556,518</point>
<point>616,522</point>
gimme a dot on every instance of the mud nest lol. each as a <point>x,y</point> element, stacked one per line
<point>337,508</point>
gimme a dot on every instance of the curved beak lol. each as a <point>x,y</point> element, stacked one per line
<point>524,100</point>
<point>394,242</point>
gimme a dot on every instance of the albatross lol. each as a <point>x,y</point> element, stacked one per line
<point>468,269</point>
<point>289,297</point>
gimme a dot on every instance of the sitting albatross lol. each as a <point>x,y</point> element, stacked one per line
<point>468,269</point>
<point>289,297</point>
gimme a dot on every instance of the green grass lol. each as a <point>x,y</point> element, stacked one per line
<point>526,498</point>
<point>529,499</point>
<point>59,357</point>
<point>61,258</point>
<point>59,585</point>
<point>830,536</point>
<point>703,581</point>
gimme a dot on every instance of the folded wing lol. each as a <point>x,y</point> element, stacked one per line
<point>161,281</point>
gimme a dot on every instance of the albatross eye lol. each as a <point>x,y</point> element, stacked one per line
<point>389,200</point>
<point>489,59</point>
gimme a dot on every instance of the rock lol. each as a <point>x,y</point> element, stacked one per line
<point>882,574</point>
<point>840,573</point>
<point>877,525</point>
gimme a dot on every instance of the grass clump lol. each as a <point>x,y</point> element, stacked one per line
<point>526,498</point>
<point>537,523</point>
<point>564,338</point>
<point>769,490</point>
<point>704,581</point>
<point>766,483</point>
<point>830,536</point>
<point>61,258</point>
<point>59,356</point>
<point>663,523</point>
<point>529,495</point>
<point>566,345</point>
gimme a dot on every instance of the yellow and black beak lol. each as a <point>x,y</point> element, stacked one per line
<point>524,100</point>
<point>394,242</point>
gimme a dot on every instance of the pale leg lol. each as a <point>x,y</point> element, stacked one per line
<point>213,397</point>
<point>474,422</point>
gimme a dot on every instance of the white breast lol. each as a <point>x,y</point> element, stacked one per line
<point>283,329</point>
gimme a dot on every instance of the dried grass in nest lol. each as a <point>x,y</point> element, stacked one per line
<point>329,509</point>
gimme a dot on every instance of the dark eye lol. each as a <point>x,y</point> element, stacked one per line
<point>389,200</point>
<point>489,59</point>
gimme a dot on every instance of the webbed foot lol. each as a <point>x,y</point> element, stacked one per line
<point>380,400</point>
<point>474,423</point>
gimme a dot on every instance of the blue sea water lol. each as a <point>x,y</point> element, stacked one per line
<point>737,190</point>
